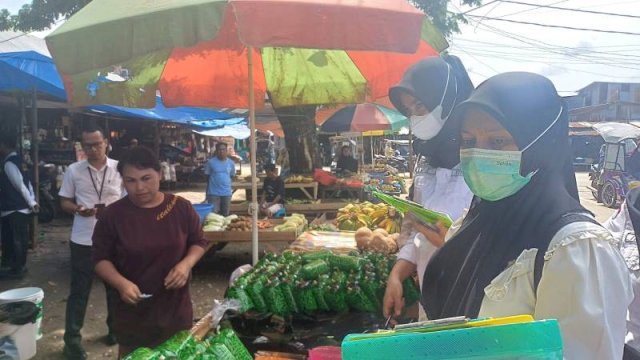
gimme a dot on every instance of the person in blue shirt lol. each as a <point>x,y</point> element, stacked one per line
<point>220,170</point>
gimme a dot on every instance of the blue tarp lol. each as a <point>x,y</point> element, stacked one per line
<point>197,118</point>
<point>24,70</point>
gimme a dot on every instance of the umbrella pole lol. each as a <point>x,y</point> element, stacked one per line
<point>410,155</point>
<point>35,141</point>
<point>254,173</point>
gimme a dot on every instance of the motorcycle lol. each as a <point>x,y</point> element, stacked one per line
<point>397,162</point>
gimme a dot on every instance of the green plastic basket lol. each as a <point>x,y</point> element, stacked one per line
<point>537,340</point>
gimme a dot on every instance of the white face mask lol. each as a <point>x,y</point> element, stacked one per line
<point>426,127</point>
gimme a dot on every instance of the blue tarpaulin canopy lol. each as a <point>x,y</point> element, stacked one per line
<point>25,64</point>
<point>200,119</point>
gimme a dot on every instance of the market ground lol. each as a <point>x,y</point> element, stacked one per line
<point>49,270</point>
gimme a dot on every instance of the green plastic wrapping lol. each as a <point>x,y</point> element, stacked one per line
<point>255,290</point>
<point>288,292</point>
<point>369,286</point>
<point>345,262</point>
<point>314,269</point>
<point>180,345</point>
<point>220,352</point>
<point>410,292</point>
<point>240,294</point>
<point>235,346</point>
<point>358,300</point>
<point>319,289</point>
<point>316,255</point>
<point>275,299</point>
<point>336,295</point>
<point>143,354</point>
<point>305,298</point>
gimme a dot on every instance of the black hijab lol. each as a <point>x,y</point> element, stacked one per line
<point>426,80</point>
<point>495,233</point>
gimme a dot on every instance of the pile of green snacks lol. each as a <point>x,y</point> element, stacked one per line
<point>319,281</point>
<point>224,346</point>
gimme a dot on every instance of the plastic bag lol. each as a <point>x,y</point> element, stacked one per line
<point>179,346</point>
<point>221,307</point>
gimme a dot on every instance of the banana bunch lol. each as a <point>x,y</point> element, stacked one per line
<point>353,221</point>
<point>355,216</point>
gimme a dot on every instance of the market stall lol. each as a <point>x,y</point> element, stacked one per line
<point>308,188</point>
<point>233,228</point>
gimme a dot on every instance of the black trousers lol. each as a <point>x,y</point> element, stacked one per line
<point>15,240</point>
<point>82,275</point>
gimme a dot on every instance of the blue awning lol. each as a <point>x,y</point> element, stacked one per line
<point>26,70</point>
<point>196,118</point>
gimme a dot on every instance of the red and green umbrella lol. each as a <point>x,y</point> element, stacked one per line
<point>230,53</point>
<point>195,51</point>
<point>365,118</point>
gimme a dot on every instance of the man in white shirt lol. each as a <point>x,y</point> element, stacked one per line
<point>88,187</point>
<point>17,202</point>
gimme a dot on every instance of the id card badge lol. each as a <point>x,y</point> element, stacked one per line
<point>100,206</point>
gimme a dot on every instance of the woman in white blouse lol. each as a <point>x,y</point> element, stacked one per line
<point>528,246</point>
<point>428,93</point>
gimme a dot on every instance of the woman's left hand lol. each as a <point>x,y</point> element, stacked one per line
<point>178,276</point>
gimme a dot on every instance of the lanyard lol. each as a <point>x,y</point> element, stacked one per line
<point>104,176</point>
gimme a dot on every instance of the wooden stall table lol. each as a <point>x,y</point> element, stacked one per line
<point>265,235</point>
<point>309,189</point>
<point>315,208</point>
<point>339,191</point>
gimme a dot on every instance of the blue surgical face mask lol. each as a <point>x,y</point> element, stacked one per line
<point>493,175</point>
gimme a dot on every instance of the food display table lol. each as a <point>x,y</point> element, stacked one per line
<point>316,207</point>
<point>245,236</point>
<point>341,192</point>
<point>310,189</point>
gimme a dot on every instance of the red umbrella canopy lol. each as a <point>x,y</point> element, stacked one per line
<point>298,47</point>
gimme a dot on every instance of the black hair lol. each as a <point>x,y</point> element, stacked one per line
<point>270,167</point>
<point>92,129</point>
<point>140,157</point>
<point>8,139</point>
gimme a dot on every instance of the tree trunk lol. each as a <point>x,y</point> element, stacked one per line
<point>300,136</point>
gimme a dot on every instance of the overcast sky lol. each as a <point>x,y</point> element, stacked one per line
<point>572,59</point>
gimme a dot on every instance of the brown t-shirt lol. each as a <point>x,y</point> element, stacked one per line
<point>144,245</point>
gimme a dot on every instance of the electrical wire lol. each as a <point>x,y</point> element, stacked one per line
<point>528,10</point>
<point>550,6</point>
<point>556,26</point>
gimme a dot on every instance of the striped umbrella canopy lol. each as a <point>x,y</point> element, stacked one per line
<point>195,51</point>
<point>364,118</point>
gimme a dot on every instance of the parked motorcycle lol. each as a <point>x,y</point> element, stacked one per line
<point>397,162</point>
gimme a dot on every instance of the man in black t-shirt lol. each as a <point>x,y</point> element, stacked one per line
<point>272,192</point>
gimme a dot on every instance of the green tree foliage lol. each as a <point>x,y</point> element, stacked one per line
<point>445,20</point>
<point>40,14</point>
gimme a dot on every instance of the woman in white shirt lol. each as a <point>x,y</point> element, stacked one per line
<point>427,94</point>
<point>528,246</point>
<point>624,225</point>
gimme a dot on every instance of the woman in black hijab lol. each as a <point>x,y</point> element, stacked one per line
<point>427,94</point>
<point>528,246</point>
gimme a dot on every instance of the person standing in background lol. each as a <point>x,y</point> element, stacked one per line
<point>17,203</point>
<point>221,171</point>
<point>88,186</point>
